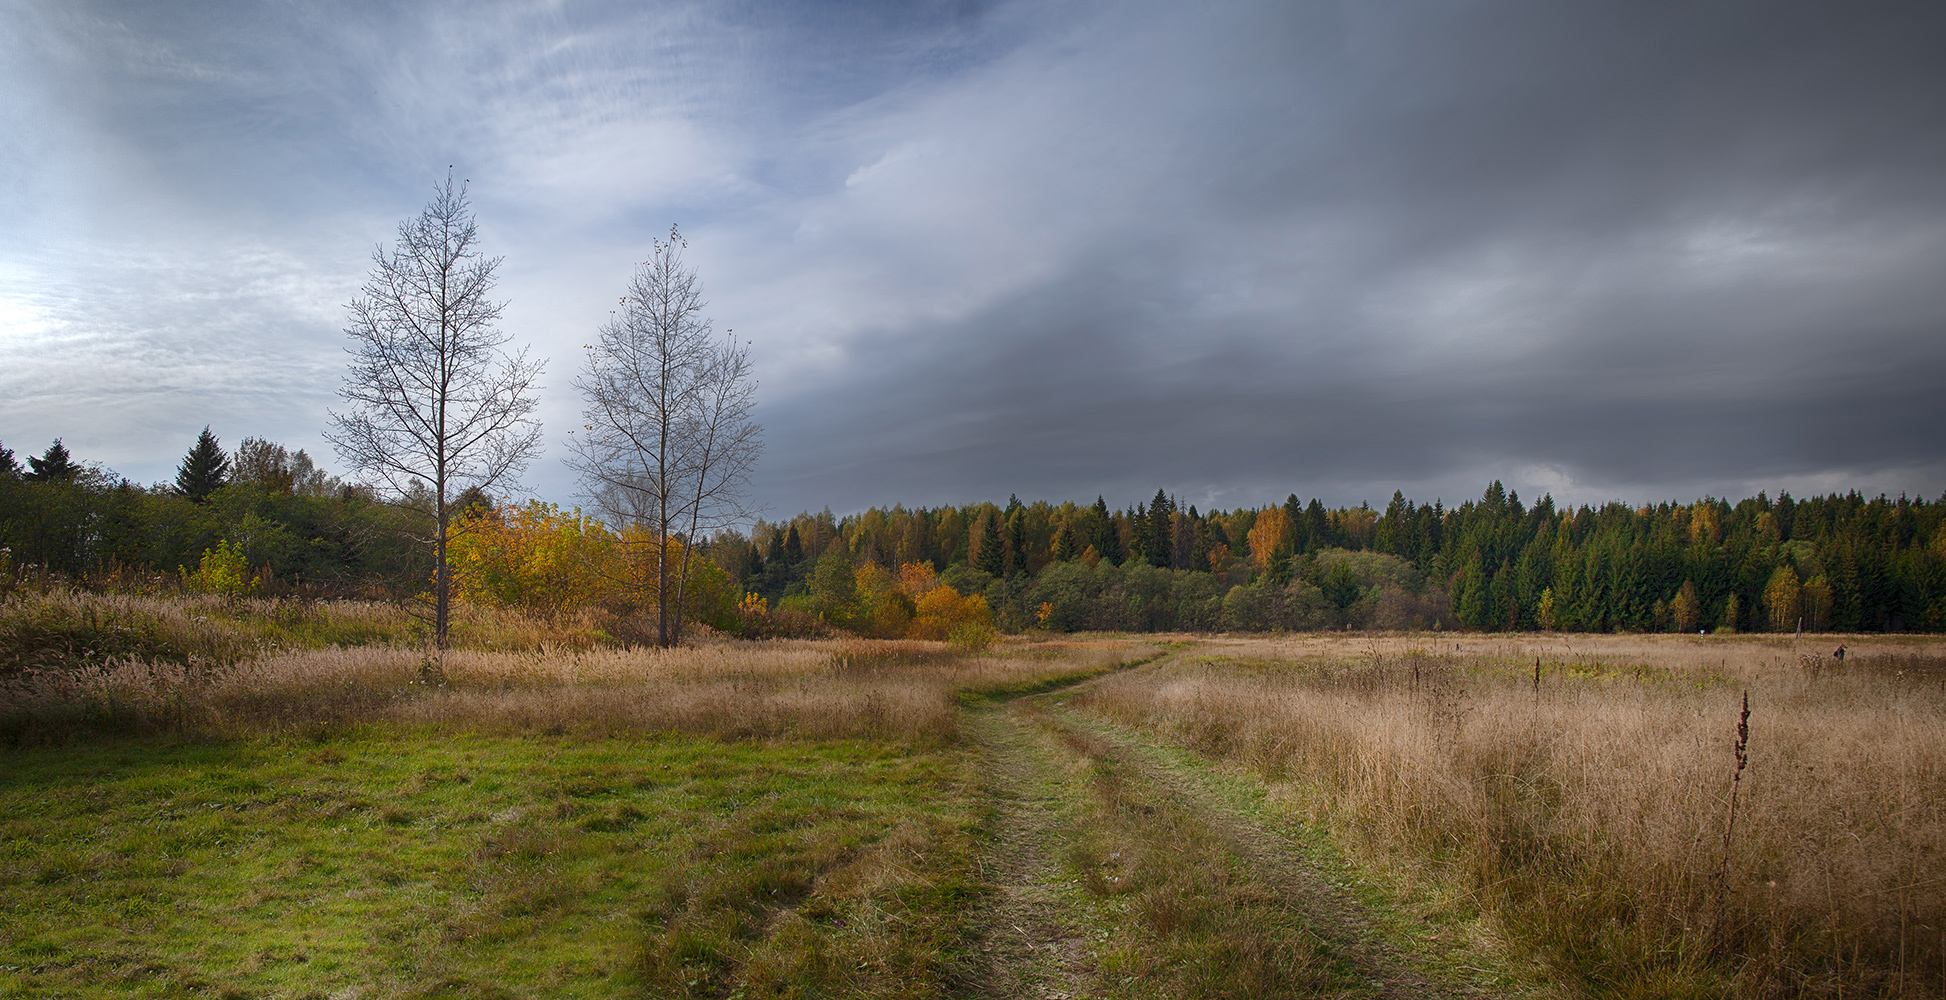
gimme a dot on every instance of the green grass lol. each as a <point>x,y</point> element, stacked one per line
<point>399,864</point>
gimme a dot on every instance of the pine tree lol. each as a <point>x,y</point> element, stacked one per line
<point>1192,542</point>
<point>9,469</point>
<point>1105,539</point>
<point>1470,595</point>
<point>54,465</point>
<point>204,470</point>
<point>1064,550</point>
<point>1317,527</point>
<point>993,549</point>
<point>1017,539</point>
<point>1341,587</point>
<point>1162,546</point>
<point>1297,536</point>
<point>1732,615</point>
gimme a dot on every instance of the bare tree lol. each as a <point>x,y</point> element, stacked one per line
<point>437,403</point>
<point>667,442</point>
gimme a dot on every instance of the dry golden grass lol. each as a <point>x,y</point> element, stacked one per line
<point>896,690</point>
<point>1590,812</point>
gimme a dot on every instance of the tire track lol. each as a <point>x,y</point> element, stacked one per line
<point>1338,920</point>
<point>1050,770</point>
<point>1031,946</point>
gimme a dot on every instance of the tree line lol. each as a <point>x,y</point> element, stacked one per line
<point>298,527</point>
<point>1840,562</point>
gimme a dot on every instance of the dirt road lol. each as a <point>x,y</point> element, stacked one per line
<point>1121,870</point>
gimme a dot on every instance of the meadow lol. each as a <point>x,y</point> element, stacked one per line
<point>1591,793</point>
<point>257,798</point>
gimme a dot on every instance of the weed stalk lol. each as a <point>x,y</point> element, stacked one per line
<point>1730,825</point>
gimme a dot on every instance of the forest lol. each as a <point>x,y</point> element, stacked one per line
<point>269,520</point>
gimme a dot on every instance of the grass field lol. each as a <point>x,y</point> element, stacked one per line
<point>1579,789</point>
<point>1182,816</point>
<point>406,863</point>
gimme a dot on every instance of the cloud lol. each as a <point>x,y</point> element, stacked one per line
<point>1233,251</point>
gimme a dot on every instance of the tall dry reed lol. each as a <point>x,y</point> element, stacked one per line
<point>1592,818</point>
<point>901,691</point>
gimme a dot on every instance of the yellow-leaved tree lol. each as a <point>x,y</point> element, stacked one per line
<point>940,613</point>
<point>538,557</point>
<point>551,562</point>
<point>1266,536</point>
<point>1686,609</point>
<point>222,570</point>
<point>1782,599</point>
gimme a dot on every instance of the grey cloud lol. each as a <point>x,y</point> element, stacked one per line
<point>1618,250</point>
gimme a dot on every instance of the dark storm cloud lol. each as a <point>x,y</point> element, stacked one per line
<point>1237,250</point>
<point>1643,252</point>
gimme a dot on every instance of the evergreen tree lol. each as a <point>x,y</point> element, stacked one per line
<point>1341,587</point>
<point>1470,595</point>
<point>1192,542</point>
<point>993,549</point>
<point>1317,527</point>
<point>1161,549</point>
<point>1104,538</point>
<point>472,502</point>
<point>204,470</point>
<point>1016,539</point>
<point>1280,569</point>
<point>1138,531</point>
<point>9,469</point>
<point>1064,550</point>
<point>54,465</point>
<point>1297,534</point>
<point>793,547</point>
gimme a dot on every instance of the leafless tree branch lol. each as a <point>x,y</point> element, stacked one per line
<point>668,441</point>
<point>436,402</point>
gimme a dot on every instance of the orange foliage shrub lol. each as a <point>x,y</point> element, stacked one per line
<point>940,611</point>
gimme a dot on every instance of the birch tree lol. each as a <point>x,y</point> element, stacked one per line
<point>667,440</point>
<point>437,404</point>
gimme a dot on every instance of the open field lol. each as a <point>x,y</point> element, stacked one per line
<point>1579,790</point>
<point>1315,815</point>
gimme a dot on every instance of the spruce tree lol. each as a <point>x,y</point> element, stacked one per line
<point>204,470</point>
<point>1110,543</point>
<point>1017,539</point>
<point>993,549</point>
<point>9,469</point>
<point>1138,532</point>
<point>793,547</point>
<point>1161,548</point>
<point>1296,531</point>
<point>1064,550</point>
<point>1317,527</point>
<point>54,465</point>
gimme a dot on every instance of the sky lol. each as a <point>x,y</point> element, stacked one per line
<point>1062,248</point>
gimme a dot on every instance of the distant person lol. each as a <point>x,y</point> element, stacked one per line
<point>1840,654</point>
